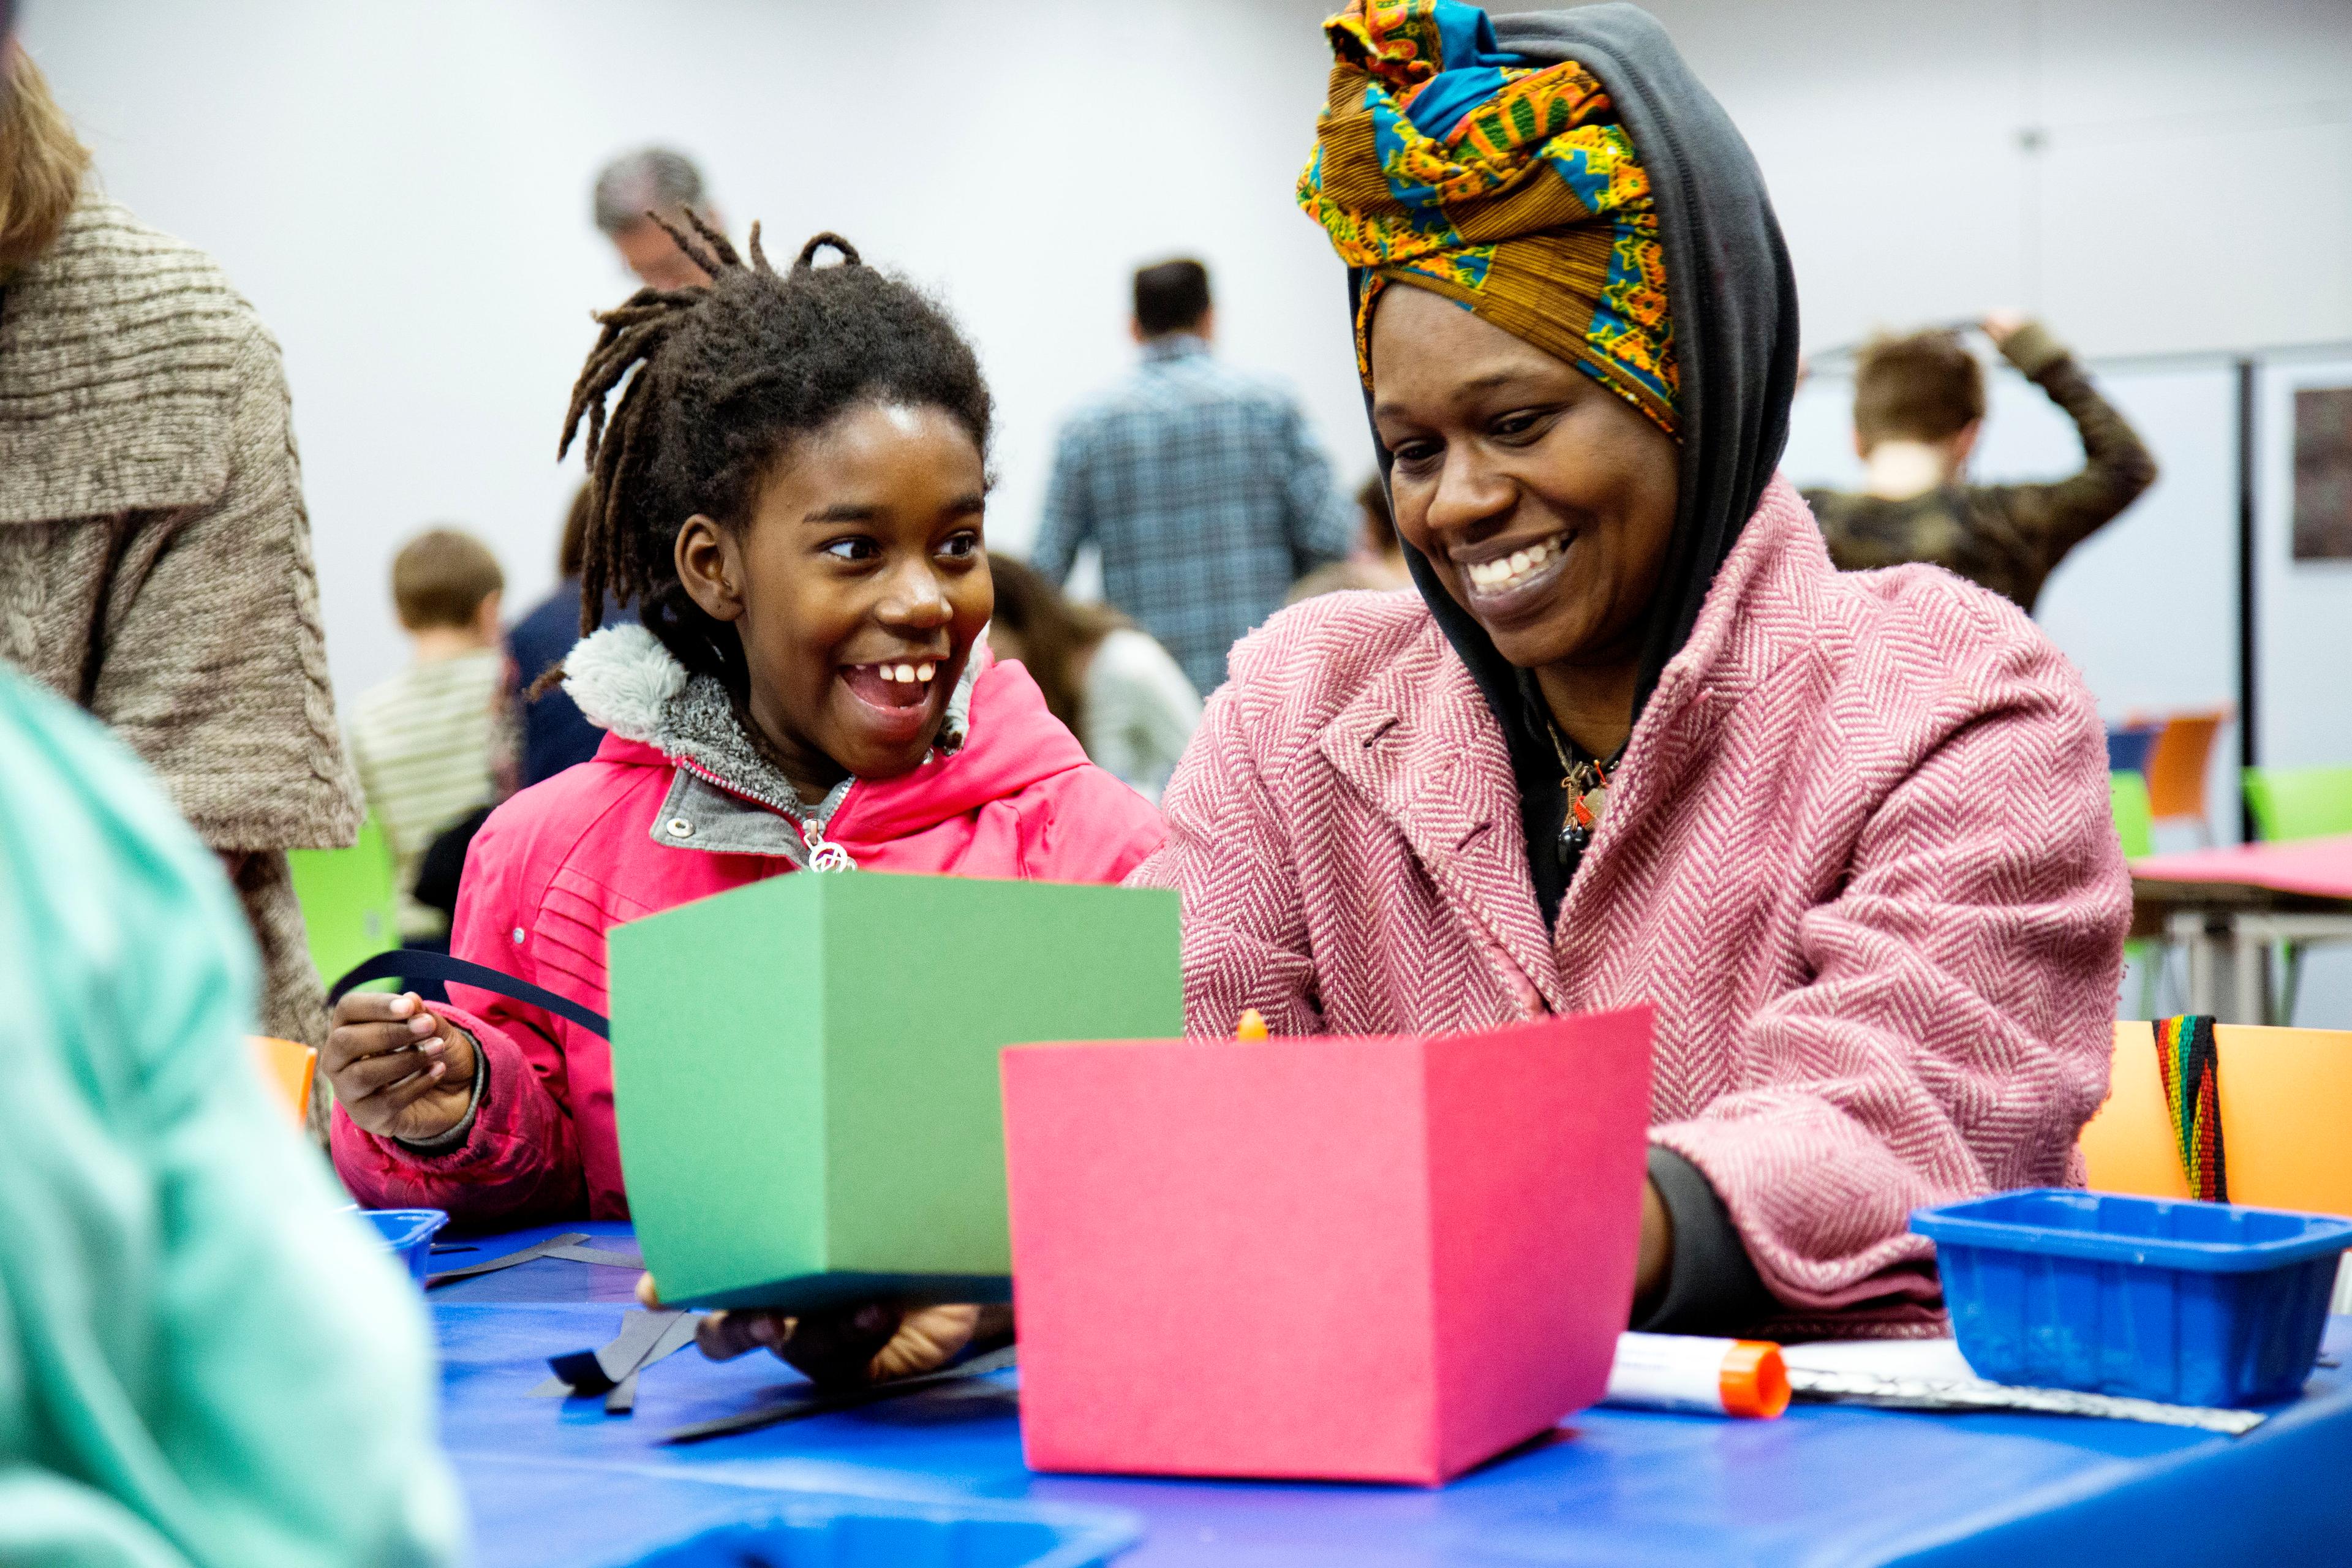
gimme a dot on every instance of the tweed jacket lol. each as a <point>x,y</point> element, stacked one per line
<point>155,558</point>
<point>1859,855</point>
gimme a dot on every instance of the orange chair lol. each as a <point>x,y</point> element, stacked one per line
<point>290,1069</point>
<point>2177,766</point>
<point>2285,1093</point>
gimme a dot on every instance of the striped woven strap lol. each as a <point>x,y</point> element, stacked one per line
<point>2189,1063</point>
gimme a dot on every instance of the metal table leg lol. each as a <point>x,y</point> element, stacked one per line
<point>2191,930</point>
<point>2250,964</point>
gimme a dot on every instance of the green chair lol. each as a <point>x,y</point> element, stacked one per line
<point>2136,825</point>
<point>350,907</point>
<point>2297,802</point>
<point>2134,816</point>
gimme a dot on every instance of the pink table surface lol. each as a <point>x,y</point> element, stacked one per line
<point>2318,867</point>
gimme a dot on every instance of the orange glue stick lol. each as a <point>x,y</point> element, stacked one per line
<point>1706,1377</point>
<point>1251,1026</point>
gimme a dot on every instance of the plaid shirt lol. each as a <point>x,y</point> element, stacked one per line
<point>1206,494</point>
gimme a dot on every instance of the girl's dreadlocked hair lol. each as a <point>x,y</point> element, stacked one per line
<point>727,377</point>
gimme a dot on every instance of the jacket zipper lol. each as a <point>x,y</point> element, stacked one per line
<point>824,854</point>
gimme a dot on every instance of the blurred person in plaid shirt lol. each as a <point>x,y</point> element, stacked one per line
<point>1201,485</point>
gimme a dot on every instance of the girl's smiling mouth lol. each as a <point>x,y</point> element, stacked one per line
<point>896,694</point>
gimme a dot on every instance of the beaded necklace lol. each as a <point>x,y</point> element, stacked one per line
<point>1584,779</point>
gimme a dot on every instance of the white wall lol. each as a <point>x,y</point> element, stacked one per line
<point>402,191</point>
<point>2304,657</point>
<point>2192,187</point>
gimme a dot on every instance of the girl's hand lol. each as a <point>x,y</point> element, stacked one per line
<point>399,1070</point>
<point>845,1348</point>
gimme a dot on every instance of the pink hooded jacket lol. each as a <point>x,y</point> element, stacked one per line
<point>668,811</point>
<point>1859,855</point>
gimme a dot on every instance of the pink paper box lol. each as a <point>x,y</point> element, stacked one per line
<point>1332,1258</point>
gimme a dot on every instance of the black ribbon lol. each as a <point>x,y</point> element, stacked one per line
<point>416,964</point>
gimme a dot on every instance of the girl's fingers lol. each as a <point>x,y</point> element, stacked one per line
<point>376,1007</point>
<point>395,1098</point>
<point>373,1075</point>
<point>837,1349</point>
<point>723,1336</point>
<point>355,1042</point>
<point>927,1339</point>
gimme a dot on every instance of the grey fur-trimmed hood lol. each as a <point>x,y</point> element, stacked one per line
<point>625,681</point>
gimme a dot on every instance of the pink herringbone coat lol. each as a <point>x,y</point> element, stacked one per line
<point>1859,855</point>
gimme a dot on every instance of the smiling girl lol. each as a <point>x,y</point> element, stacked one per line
<point>791,492</point>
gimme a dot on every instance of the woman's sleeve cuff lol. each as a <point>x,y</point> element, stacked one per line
<point>1712,1287</point>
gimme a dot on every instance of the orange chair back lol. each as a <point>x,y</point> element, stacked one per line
<point>2285,1094</point>
<point>288,1067</point>
<point>2177,764</point>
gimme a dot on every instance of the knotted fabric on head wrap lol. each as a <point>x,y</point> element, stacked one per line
<point>1442,161</point>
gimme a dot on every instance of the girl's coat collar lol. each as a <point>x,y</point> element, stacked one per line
<point>625,681</point>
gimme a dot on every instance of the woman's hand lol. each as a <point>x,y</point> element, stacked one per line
<point>845,1347</point>
<point>399,1070</point>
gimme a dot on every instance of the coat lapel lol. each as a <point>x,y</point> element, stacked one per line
<point>1758,614</point>
<point>1421,747</point>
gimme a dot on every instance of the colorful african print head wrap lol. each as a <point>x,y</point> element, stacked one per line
<point>1442,161</point>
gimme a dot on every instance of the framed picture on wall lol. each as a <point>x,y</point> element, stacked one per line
<point>2323,473</point>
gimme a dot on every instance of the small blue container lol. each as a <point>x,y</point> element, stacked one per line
<point>812,1531</point>
<point>408,1235</point>
<point>2189,1303</point>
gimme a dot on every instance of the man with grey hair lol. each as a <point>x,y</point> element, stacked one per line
<point>653,179</point>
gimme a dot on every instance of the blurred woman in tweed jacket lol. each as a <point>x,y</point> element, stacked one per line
<point>1635,741</point>
<point>154,556</point>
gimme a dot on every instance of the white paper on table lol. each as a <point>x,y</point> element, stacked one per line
<point>1931,1374</point>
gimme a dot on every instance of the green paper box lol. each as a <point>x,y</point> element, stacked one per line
<point>804,1072</point>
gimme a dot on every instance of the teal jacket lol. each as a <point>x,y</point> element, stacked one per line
<point>202,1361</point>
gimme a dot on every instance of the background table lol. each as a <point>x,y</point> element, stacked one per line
<point>561,1483</point>
<point>2229,906</point>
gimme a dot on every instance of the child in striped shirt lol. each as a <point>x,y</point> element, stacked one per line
<point>427,742</point>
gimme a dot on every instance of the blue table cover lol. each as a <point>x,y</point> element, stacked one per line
<point>561,1483</point>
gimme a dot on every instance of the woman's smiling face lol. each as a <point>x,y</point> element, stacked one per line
<point>859,586</point>
<point>1543,500</point>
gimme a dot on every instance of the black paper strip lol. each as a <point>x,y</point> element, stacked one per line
<point>622,1399</point>
<point>596,1370</point>
<point>611,1258</point>
<point>801,1407</point>
<point>508,1260</point>
<point>644,1339</point>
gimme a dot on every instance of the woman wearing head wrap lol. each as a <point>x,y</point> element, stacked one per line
<point>1639,742</point>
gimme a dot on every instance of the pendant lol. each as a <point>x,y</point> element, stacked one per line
<point>1574,838</point>
<point>1595,801</point>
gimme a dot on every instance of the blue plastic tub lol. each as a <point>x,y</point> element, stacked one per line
<point>408,1235</point>
<point>2185,1302</point>
<point>811,1532</point>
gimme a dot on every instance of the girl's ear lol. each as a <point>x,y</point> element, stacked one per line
<point>709,568</point>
